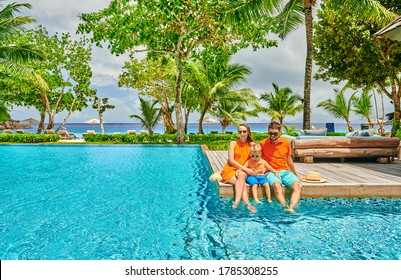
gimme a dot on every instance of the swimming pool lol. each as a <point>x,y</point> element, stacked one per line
<point>156,202</point>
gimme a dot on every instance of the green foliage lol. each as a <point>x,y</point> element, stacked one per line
<point>290,130</point>
<point>14,54</point>
<point>399,133</point>
<point>154,77</point>
<point>28,138</point>
<point>282,102</point>
<point>363,105</point>
<point>150,115</point>
<point>345,50</point>
<point>339,107</point>
<point>4,114</point>
<point>66,71</point>
<point>336,133</point>
<point>174,27</point>
<point>213,141</point>
<point>213,80</point>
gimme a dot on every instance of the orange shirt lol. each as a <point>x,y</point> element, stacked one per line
<point>276,154</point>
<point>241,155</point>
<point>261,166</point>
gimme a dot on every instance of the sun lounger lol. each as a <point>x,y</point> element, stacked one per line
<point>7,131</point>
<point>144,132</point>
<point>73,136</point>
<point>49,131</point>
<point>19,131</point>
<point>131,131</point>
<point>64,135</point>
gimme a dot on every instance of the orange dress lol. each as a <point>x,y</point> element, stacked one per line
<point>241,155</point>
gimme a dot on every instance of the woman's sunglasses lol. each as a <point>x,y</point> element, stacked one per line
<point>242,131</point>
<point>255,156</point>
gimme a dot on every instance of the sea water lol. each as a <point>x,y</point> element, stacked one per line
<point>79,128</point>
<point>61,202</point>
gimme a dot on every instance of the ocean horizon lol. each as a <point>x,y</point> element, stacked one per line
<point>80,128</point>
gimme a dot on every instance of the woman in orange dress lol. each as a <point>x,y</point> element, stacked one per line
<point>234,172</point>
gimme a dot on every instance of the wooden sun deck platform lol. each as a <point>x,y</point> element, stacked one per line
<point>354,179</point>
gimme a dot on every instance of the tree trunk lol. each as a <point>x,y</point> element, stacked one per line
<point>50,124</point>
<point>224,124</point>
<point>41,125</point>
<point>200,126</point>
<point>308,63</point>
<point>397,114</point>
<point>100,116</point>
<point>178,92</point>
<point>68,115</point>
<point>186,114</point>
<point>350,128</point>
<point>169,127</point>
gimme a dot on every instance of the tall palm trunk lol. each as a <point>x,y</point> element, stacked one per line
<point>350,128</point>
<point>177,103</point>
<point>201,117</point>
<point>308,63</point>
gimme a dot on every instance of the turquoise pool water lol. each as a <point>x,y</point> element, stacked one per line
<point>156,202</point>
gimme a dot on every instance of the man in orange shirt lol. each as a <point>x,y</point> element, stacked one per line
<point>277,152</point>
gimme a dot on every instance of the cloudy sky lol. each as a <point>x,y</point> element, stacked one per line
<point>283,65</point>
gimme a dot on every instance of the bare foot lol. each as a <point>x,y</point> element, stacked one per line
<point>291,210</point>
<point>251,208</point>
<point>235,204</point>
<point>258,201</point>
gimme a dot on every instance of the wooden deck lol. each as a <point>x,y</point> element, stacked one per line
<point>356,179</point>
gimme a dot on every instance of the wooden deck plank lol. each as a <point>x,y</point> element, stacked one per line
<point>350,179</point>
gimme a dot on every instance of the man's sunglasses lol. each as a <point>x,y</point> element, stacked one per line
<point>273,133</point>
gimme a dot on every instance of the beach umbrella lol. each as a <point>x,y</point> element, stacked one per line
<point>30,121</point>
<point>208,120</point>
<point>391,31</point>
<point>93,121</point>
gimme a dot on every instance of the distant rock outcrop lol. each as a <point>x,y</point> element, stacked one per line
<point>14,124</point>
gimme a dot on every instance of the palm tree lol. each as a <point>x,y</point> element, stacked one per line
<point>363,105</point>
<point>13,53</point>
<point>229,111</point>
<point>150,115</point>
<point>282,102</point>
<point>339,107</point>
<point>297,12</point>
<point>214,79</point>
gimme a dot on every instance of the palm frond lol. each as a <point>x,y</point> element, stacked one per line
<point>253,9</point>
<point>290,18</point>
<point>9,22</point>
<point>4,114</point>
<point>369,10</point>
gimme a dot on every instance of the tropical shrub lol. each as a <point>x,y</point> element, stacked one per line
<point>28,138</point>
